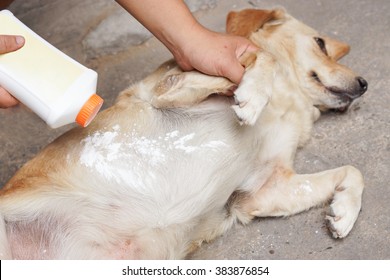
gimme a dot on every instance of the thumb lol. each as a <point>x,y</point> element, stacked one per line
<point>9,43</point>
<point>236,70</point>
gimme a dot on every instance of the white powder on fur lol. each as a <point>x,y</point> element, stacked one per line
<point>99,150</point>
<point>181,143</point>
<point>103,151</point>
<point>304,188</point>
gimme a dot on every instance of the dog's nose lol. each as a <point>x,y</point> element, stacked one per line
<point>363,84</point>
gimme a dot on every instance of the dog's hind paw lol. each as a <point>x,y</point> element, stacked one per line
<point>341,218</point>
<point>347,201</point>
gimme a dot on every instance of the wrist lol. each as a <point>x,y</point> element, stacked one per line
<point>185,43</point>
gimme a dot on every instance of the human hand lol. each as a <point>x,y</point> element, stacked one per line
<point>8,44</point>
<point>214,54</point>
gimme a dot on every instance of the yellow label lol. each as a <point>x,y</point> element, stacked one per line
<point>39,67</point>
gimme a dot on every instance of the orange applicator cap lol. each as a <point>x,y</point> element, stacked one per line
<point>89,110</point>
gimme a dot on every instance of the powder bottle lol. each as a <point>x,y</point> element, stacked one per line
<point>54,86</point>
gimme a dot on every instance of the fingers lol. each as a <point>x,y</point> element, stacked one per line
<point>234,68</point>
<point>244,46</point>
<point>251,47</point>
<point>9,43</point>
<point>7,100</point>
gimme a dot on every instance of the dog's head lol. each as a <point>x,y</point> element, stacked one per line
<point>311,58</point>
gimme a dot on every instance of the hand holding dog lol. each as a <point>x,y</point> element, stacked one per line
<point>192,45</point>
<point>9,44</point>
<point>214,54</point>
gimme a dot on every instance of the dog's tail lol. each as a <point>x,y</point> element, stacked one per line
<point>5,250</point>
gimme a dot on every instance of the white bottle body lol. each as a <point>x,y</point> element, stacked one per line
<point>43,78</point>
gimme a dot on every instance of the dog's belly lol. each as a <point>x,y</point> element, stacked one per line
<point>178,172</point>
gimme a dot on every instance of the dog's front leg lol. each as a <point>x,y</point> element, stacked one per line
<point>287,193</point>
<point>255,89</point>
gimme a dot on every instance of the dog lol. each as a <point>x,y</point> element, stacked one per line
<point>177,161</point>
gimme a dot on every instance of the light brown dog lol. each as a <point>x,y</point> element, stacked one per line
<point>172,164</point>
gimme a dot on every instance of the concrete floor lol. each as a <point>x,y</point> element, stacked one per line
<point>99,34</point>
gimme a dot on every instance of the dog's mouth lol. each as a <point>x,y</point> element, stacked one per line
<point>344,97</point>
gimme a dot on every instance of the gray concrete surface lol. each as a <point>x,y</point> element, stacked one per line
<point>101,35</point>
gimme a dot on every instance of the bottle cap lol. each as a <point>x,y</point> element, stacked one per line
<point>89,110</point>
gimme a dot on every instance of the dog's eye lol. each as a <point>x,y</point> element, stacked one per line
<point>321,43</point>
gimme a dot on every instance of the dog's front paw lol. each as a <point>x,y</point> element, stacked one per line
<point>249,105</point>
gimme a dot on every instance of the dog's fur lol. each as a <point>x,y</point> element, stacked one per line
<point>172,164</point>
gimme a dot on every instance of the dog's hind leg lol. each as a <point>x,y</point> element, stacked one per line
<point>185,89</point>
<point>287,193</point>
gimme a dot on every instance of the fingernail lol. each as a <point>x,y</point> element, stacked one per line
<point>19,40</point>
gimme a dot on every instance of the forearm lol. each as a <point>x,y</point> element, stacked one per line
<point>169,20</point>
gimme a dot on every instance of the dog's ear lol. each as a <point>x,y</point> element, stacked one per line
<point>245,22</point>
<point>336,49</point>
